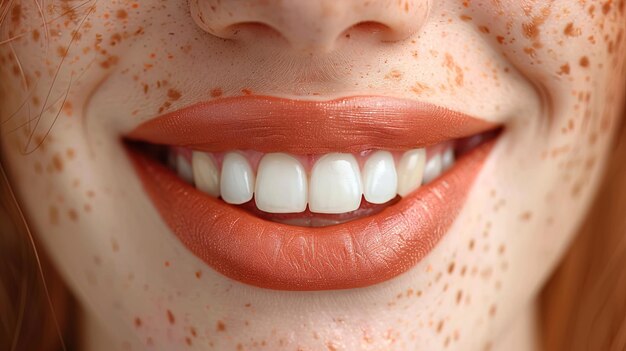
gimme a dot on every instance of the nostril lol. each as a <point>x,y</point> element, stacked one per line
<point>247,29</point>
<point>373,29</point>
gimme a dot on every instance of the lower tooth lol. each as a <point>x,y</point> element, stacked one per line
<point>184,169</point>
<point>432,169</point>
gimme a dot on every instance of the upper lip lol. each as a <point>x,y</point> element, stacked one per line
<point>271,124</point>
<point>272,255</point>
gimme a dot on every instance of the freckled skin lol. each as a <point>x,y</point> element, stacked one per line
<point>554,81</point>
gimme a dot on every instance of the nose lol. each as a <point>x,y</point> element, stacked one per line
<point>310,25</point>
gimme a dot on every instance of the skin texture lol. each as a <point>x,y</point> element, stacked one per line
<point>551,72</point>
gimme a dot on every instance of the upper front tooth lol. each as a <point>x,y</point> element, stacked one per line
<point>205,173</point>
<point>183,168</point>
<point>411,171</point>
<point>281,184</point>
<point>380,181</point>
<point>447,160</point>
<point>433,168</point>
<point>237,182</point>
<point>335,184</point>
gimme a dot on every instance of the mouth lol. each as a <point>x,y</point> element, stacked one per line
<point>310,195</point>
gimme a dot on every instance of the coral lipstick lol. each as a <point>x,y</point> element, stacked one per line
<point>271,124</point>
<point>272,255</point>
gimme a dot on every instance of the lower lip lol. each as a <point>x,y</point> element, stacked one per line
<point>270,255</point>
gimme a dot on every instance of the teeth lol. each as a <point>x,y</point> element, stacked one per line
<point>411,171</point>
<point>237,181</point>
<point>447,160</point>
<point>433,168</point>
<point>205,173</point>
<point>281,184</point>
<point>380,181</point>
<point>335,184</point>
<point>184,169</point>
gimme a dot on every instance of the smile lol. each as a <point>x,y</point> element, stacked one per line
<point>310,195</point>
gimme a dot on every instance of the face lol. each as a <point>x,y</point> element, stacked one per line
<point>77,77</point>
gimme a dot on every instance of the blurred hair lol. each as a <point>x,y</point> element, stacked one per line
<point>34,314</point>
<point>583,306</point>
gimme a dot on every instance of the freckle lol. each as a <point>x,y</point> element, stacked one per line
<point>16,13</point>
<point>217,92</point>
<point>500,39</point>
<point>109,62</point>
<point>198,274</point>
<point>67,108</point>
<point>170,317</point>
<point>188,340</point>
<point>173,94</point>
<point>220,326</point>
<point>584,61</point>
<point>530,51</point>
<point>565,69</point>
<point>571,31</point>
<point>451,268</point>
<point>472,244</point>
<point>36,35</point>
<point>122,14</point>
<point>38,168</point>
<point>72,214</point>
<point>70,153</point>
<point>57,162</point>
<point>114,245</point>
<point>54,215</point>
<point>465,18</point>
<point>166,263</point>
<point>606,7</point>
<point>459,296</point>
<point>394,75</point>
<point>530,30</point>
<point>501,249</point>
<point>62,51</point>
<point>440,326</point>
<point>492,310</point>
<point>137,322</point>
<point>525,216</point>
<point>484,29</point>
<point>87,208</point>
<point>246,91</point>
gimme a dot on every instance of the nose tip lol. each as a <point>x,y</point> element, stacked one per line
<point>312,25</point>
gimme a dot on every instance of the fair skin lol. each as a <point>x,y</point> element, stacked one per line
<point>550,72</point>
